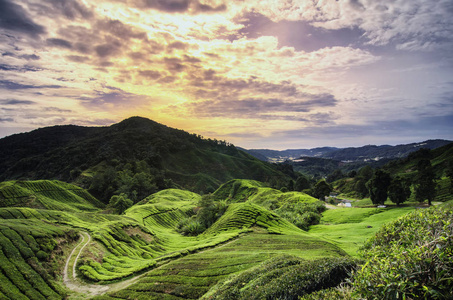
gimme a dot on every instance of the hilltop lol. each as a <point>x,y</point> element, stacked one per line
<point>136,154</point>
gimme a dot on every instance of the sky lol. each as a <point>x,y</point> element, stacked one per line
<point>275,74</point>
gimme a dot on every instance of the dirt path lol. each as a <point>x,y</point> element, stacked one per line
<point>91,290</point>
<point>70,278</point>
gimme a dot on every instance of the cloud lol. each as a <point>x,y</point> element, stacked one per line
<point>25,68</point>
<point>4,120</point>
<point>14,17</point>
<point>17,102</point>
<point>59,43</point>
<point>409,25</point>
<point>108,49</point>
<point>23,56</point>
<point>180,6</point>
<point>111,97</point>
<point>150,74</point>
<point>57,110</point>
<point>11,85</point>
<point>119,29</point>
<point>71,9</point>
<point>258,107</point>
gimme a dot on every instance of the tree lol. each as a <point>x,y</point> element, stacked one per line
<point>120,203</point>
<point>449,173</point>
<point>335,175</point>
<point>399,191</point>
<point>291,185</point>
<point>366,172</point>
<point>360,187</point>
<point>425,188</point>
<point>378,187</point>
<point>321,189</point>
<point>302,183</point>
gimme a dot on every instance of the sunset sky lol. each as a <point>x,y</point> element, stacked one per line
<point>274,74</point>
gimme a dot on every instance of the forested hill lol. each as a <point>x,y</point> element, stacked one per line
<point>136,156</point>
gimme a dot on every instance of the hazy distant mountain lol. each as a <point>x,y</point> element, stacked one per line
<point>290,154</point>
<point>365,153</point>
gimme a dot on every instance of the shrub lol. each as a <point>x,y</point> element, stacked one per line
<point>284,277</point>
<point>190,226</point>
<point>41,255</point>
<point>411,258</point>
<point>302,214</point>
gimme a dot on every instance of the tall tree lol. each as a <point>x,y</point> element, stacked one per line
<point>425,188</point>
<point>120,203</point>
<point>399,190</point>
<point>302,183</point>
<point>449,173</point>
<point>321,189</point>
<point>378,186</point>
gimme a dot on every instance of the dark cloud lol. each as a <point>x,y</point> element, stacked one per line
<point>5,67</point>
<point>30,57</point>
<point>168,5</point>
<point>177,45</point>
<point>3,120</point>
<point>180,6</point>
<point>11,85</point>
<point>71,9</point>
<point>111,95</point>
<point>24,56</point>
<point>150,74</point>
<point>59,43</point>
<point>77,58</point>
<point>17,102</point>
<point>234,88</point>
<point>258,107</point>
<point>174,64</point>
<point>58,110</point>
<point>119,29</point>
<point>14,17</point>
<point>208,8</point>
<point>106,50</point>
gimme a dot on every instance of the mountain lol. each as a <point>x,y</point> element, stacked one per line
<point>364,153</point>
<point>289,154</point>
<point>136,156</point>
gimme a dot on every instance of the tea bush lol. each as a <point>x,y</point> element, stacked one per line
<point>284,277</point>
<point>410,258</point>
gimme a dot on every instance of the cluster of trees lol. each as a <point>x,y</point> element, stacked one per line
<point>379,185</point>
<point>316,188</point>
<point>135,180</point>
<point>382,185</point>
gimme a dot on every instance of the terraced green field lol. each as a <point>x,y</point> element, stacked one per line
<point>40,222</point>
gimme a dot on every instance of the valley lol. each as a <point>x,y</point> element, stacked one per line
<point>210,222</point>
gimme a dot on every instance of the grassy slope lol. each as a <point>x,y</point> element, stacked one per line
<point>349,228</point>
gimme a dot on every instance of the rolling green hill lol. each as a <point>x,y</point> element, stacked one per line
<point>136,154</point>
<point>54,195</point>
<point>252,249</point>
